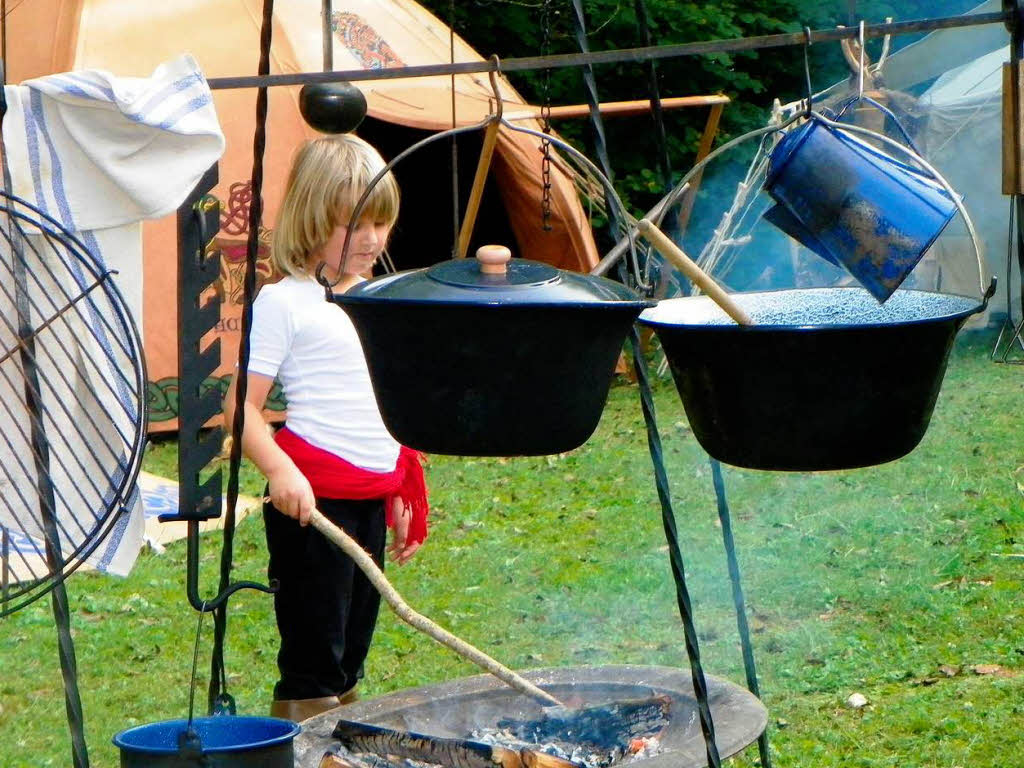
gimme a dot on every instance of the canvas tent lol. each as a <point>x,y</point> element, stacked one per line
<point>130,39</point>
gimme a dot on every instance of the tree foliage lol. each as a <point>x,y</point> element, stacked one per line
<point>514,28</point>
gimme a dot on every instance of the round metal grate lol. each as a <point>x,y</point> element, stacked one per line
<point>72,408</point>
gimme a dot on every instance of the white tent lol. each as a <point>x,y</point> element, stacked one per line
<point>960,71</point>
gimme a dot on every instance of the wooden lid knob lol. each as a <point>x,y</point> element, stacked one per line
<point>493,259</point>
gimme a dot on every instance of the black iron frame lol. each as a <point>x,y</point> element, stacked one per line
<point>195,410</point>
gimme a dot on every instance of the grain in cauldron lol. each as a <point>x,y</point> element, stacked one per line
<point>824,379</point>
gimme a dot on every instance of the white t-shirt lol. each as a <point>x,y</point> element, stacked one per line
<point>311,346</point>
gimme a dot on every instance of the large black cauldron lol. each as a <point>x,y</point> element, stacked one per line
<point>511,362</point>
<point>824,379</point>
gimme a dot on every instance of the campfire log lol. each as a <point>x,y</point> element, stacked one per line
<point>334,760</point>
<point>451,753</point>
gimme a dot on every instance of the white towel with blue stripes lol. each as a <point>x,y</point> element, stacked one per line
<point>103,151</point>
<point>98,154</point>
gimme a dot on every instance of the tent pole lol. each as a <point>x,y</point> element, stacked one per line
<point>326,38</point>
<point>1016,25</point>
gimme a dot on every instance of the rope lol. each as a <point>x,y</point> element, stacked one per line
<point>737,598</point>
<point>218,677</point>
<point>700,688</point>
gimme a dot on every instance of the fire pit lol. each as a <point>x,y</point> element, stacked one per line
<point>454,709</point>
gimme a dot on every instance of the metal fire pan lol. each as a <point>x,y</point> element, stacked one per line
<point>453,709</point>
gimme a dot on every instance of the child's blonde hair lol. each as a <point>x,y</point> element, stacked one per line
<point>327,178</point>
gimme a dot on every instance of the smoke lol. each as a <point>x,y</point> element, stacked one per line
<point>945,92</point>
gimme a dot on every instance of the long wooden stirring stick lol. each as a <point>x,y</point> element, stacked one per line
<point>418,621</point>
<point>688,267</point>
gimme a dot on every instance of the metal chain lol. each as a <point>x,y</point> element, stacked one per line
<point>545,119</point>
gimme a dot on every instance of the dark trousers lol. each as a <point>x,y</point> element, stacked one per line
<point>326,608</point>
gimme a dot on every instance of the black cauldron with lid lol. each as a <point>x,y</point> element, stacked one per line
<point>491,356</point>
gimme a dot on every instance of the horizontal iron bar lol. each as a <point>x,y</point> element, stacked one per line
<point>616,56</point>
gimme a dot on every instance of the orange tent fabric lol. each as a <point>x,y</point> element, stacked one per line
<point>130,38</point>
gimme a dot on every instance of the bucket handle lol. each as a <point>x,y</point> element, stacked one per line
<point>986,291</point>
<point>490,124</point>
<point>881,108</point>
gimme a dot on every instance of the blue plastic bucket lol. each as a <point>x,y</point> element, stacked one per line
<point>854,205</point>
<point>227,741</point>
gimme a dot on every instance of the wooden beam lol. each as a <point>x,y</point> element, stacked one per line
<point>1013,128</point>
<point>638,107</point>
<point>703,149</point>
<point>476,193</point>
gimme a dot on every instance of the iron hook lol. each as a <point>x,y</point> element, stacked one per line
<point>493,75</point>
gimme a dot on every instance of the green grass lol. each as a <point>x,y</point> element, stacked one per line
<point>863,581</point>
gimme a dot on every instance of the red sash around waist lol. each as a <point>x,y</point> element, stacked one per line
<point>334,478</point>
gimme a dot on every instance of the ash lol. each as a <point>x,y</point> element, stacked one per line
<point>582,755</point>
<point>587,756</point>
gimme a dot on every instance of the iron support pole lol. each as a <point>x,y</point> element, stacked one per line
<point>700,688</point>
<point>616,56</point>
<point>660,138</point>
<point>746,646</point>
<point>1016,25</point>
<point>44,487</point>
<point>615,223</point>
<point>48,505</point>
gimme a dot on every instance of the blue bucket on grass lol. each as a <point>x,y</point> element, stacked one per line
<point>224,741</point>
<point>855,205</point>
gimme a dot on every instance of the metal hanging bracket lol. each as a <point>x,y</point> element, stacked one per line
<point>198,402</point>
<point>1014,11</point>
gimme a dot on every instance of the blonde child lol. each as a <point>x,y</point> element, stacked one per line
<point>334,453</point>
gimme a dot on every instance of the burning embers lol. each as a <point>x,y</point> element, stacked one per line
<point>590,737</point>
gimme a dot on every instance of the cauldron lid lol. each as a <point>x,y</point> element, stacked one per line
<point>512,281</point>
<point>521,274</point>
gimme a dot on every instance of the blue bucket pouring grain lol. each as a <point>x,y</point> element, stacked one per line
<point>224,741</point>
<point>854,205</point>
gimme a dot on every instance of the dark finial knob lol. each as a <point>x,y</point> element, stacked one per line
<point>332,107</point>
